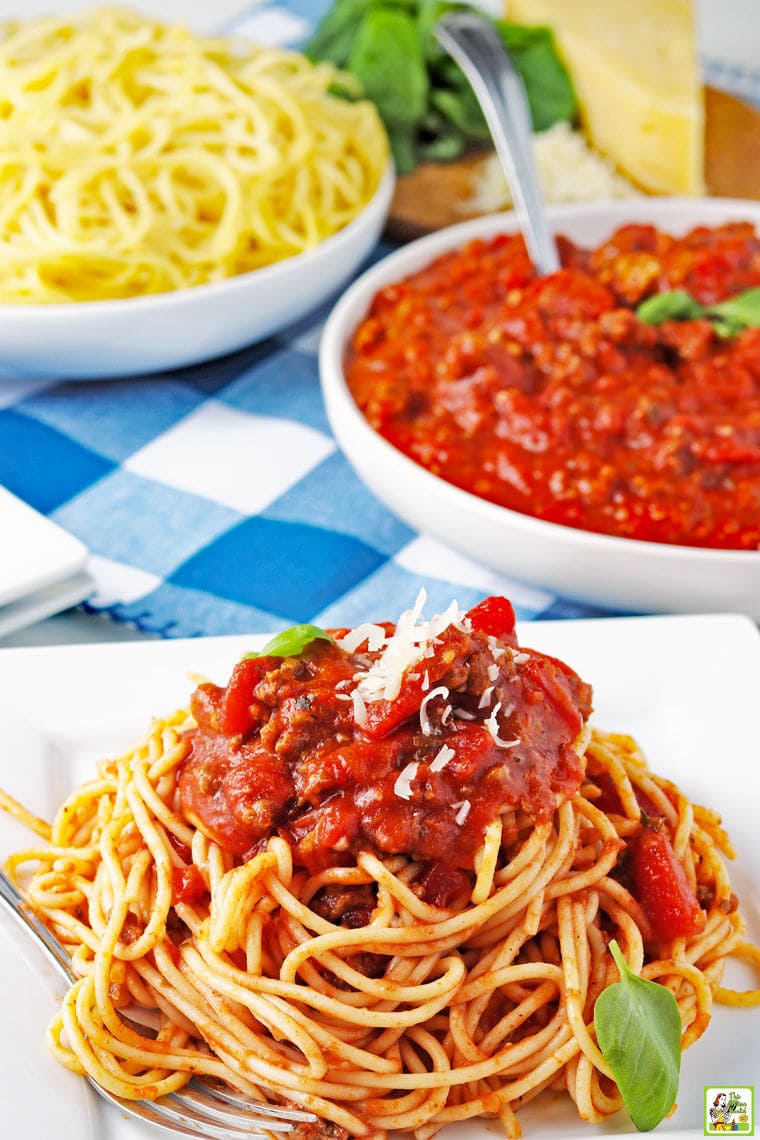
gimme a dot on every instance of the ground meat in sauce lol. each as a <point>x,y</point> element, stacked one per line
<point>316,1130</point>
<point>351,906</point>
<point>552,398</point>
<point>279,750</point>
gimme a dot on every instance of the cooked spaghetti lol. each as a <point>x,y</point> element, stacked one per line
<point>379,878</point>
<point>139,158</point>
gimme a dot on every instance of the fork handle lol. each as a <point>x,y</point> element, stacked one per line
<point>26,918</point>
<point>475,45</point>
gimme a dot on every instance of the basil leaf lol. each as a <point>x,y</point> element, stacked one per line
<point>729,317</point>
<point>743,309</point>
<point>549,90</point>
<point>386,58</point>
<point>727,326</point>
<point>390,48</point>
<point>638,1028</point>
<point>335,35</point>
<point>291,642</point>
<point>676,306</point>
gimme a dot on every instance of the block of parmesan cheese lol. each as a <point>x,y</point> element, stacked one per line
<point>635,69</point>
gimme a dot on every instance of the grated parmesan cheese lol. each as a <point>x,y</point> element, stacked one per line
<point>412,641</point>
<point>463,811</point>
<point>568,171</point>
<point>485,698</point>
<point>360,709</point>
<point>403,786</point>
<point>442,757</point>
<point>497,650</point>
<point>425,725</point>
<point>374,635</point>
<point>492,725</point>
<point>463,714</point>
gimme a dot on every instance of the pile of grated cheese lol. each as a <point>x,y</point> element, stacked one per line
<point>568,170</point>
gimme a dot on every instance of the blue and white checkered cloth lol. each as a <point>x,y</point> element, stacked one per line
<point>214,499</point>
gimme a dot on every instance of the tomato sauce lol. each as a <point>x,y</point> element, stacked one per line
<point>304,747</point>
<point>551,397</point>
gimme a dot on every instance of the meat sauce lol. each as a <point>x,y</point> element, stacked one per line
<point>552,398</point>
<point>305,748</point>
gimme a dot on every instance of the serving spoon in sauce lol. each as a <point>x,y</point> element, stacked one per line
<point>474,44</point>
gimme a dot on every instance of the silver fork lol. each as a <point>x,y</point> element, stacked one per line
<point>202,1108</point>
<point>475,45</point>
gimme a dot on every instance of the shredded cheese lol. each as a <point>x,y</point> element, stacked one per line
<point>439,691</point>
<point>360,709</point>
<point>412,641</point>
<point>374,635</point>
<point>442,757</point>
<point>492,725</point>
<point>463,811</point>
<point>403,786</point>
<point>497,650</point>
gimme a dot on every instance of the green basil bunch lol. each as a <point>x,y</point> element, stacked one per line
<point>422,95</point>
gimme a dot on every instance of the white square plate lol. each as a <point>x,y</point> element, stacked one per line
<point>686,687</point>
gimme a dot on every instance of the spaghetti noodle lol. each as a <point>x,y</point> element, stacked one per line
<point>378,879</point>
<point>139,158</point>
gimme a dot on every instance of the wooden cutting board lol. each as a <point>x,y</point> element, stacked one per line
<point>433,195</point>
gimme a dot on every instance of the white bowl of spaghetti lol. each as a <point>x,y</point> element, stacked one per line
<point>167,198</point>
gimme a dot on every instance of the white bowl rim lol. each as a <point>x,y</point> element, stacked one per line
<point>343,320</point>
<point>268,274</point>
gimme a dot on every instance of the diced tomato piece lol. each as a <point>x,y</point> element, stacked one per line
<point>204,705</point>
<point>496,617</point>
<point>569,697</point>
<point>235,712</point>
<point>187,884</point>
<point>325,831</point>
<point>662,889</point>
<point>474,751</point>
<point>384,716</point>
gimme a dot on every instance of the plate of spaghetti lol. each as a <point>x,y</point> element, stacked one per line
<point>398,873</point>
<point>167,197</point>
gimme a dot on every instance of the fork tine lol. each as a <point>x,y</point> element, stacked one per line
<point>196,1100</point>
<point>178,1123</point>
<point>185,1121</point>
<point>255,1107</point>
<point>204,1110</point>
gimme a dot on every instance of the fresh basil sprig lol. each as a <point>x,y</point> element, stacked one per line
<point>291,642</point>
<point>428,106</point>
<point>729,317</point>
<point>638,1028</point>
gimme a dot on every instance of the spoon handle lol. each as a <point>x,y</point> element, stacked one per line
<point>475,45</point>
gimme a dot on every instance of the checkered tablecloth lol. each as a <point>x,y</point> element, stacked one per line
<point>214,499</point>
